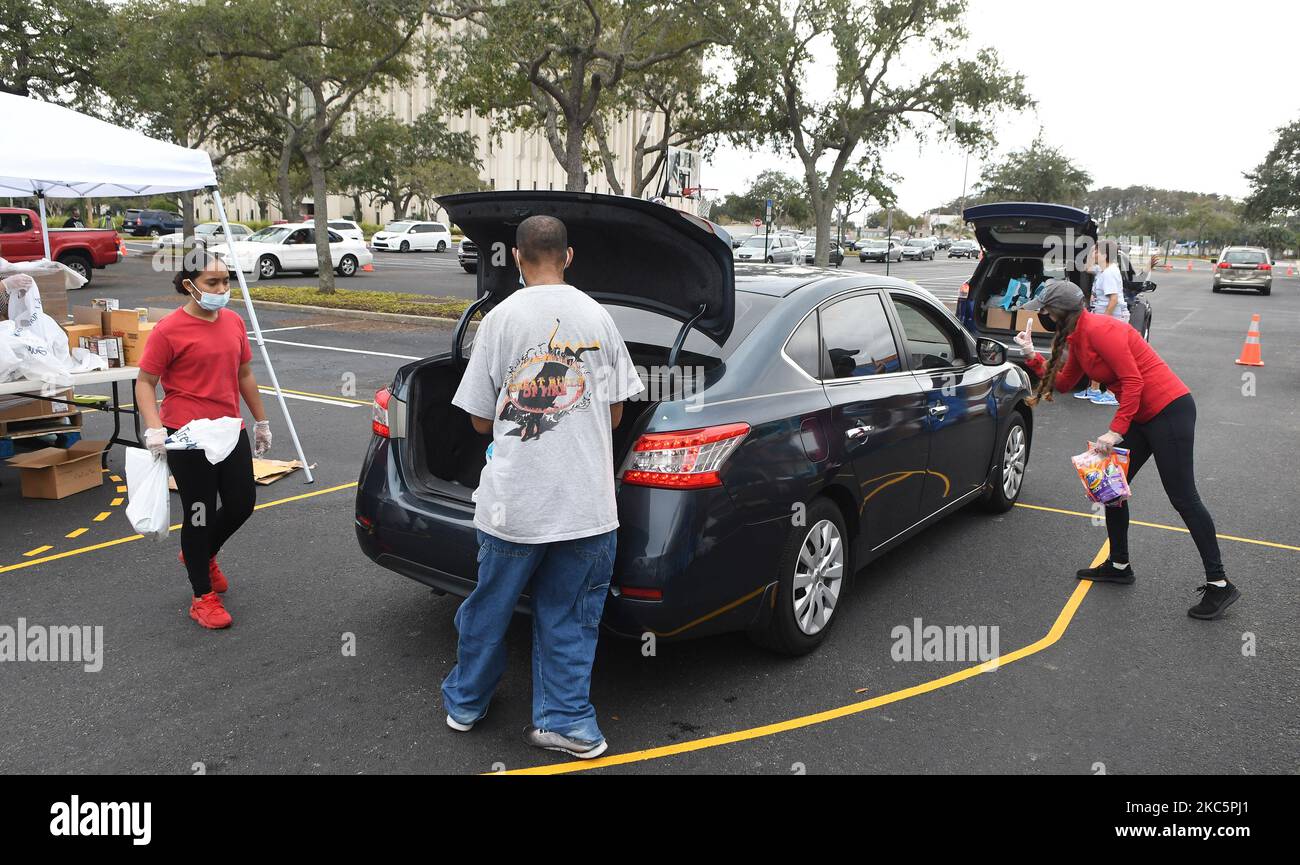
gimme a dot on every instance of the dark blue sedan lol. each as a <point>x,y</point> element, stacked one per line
<point>830,417</point>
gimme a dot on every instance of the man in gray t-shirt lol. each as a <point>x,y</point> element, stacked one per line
<point>547,377</point>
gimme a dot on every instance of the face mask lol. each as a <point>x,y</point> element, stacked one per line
<point>1046,321</point>
<point>212,302</point>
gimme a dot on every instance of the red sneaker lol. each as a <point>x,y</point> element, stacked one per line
<point>209,612</point>
<point>218,579</point>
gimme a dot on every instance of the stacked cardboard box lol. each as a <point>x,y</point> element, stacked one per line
<point>117,335</point>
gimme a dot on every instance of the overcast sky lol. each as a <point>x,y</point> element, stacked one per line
<point>1199,89</point>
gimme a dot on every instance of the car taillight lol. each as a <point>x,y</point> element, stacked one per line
<point>379,419</point>
<point>1223,265</point>
<point>1263,267</point>
<point>689,459</point>
<point>964,291</point>
<point>139,221</point>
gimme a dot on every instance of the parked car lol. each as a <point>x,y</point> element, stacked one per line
<point>772,249</point>
<point>1244,267</point>
<point>348,229</point>
<point>1013,236</point>
<point>85,250</point>
<point>964,249</point>
<point>809,253</point>
<point>943,243</point>
<point>292,247</point>
<point>467,254</point>
<point>879,250</point>
<point>412,236</point>
<point>153,223</point>
<point>853,400</point>
<point>918,249</point>
<point>204,233</point>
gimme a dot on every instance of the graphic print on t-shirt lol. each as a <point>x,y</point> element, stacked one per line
<point>546,384</point>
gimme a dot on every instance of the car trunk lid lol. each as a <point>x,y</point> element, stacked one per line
<point>626,251</point>
<point>1028,228</point>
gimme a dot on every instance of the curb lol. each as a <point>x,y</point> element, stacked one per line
<point>359,313</point>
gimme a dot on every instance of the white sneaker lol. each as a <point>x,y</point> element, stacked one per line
<point>458,726</point>
<point>552,741</point>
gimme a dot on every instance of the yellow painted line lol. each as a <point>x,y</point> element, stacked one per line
<point>38,550</point>
<point>76,533</point>
<point>115,479</point>
<point>1053,635</point>
<point>121,489</point>
<point>325,396</point>
<point>115,503</point>
<point>1182,529</point>
<point>90,549</point>
<point>103,516</point>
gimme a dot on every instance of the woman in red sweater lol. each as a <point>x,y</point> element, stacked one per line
<point>1156,418</point>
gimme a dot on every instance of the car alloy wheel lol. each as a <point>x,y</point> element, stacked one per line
<point>442,246</point>
<point>1014,457</point>
<point>818,577</point>
<point>266,267</point>
<point>405,247</point>
<point>348,266</point>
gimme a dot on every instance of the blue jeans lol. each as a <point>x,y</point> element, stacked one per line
<point>569,584</point>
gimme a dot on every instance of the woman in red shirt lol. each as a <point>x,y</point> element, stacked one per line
<point>201,356</point>
<point>1156,417</point>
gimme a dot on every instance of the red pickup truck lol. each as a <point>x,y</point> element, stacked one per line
<point>82,249</point>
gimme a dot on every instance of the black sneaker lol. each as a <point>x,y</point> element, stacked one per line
<point>1214,600</point>
<point>1107,573</point>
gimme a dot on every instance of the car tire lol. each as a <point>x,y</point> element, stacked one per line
<point>79,263</point>
<point>153,232</point>
<point>442,246</point>
<point>1216,289</point>
<point>1266,291</point>
<point>1008,478</point>
<point>404,247</point>
<point>821,537</point>
<point>267,267</point>
<point>470,268</point>
<point>347,266</point>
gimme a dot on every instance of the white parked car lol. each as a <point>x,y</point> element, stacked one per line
<point>412,235</point>
<point>349,229</point>
<point>292,246</point>
<point>204,233</point>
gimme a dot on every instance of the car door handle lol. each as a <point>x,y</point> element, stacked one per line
<point>938,410</point>
<point>858,432</point>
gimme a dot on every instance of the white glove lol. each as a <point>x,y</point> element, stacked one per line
<point>261,437</point>
<point>1025,339</point>
<point>156,441</point>
<point>1104,443</point>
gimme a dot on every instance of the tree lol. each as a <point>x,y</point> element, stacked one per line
<point>1037,173</point>
<point>558,66</point>
<point>1275,182</point>
<point>333,51</point>
<point>398,162</point>
<point>49,49</point>
<point>882,87</point>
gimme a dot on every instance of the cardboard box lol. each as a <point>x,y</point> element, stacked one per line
<point>133,327</point>
<point>13,407</point>
<point>105,303</point>
<point>76,331</point>
<point>55,473</point>
<point>107,347</point>
<point>997,318</point>
<point>54,294</point>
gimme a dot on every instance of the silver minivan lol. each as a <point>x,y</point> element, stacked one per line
<point>1244,267</point>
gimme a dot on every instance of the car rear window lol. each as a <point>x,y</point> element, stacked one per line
<point>1244,256</point>
<point>651,328</point>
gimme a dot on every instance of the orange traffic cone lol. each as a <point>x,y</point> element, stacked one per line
<point>1189,265</point>
<point>368,268</point>
<point>1251,350</point>
<point>1290,270</point>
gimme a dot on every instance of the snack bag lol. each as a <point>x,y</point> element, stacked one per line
<point>1104,476</point>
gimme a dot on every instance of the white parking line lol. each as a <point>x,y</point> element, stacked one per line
<point>346,350</point>
<point>295,327</point>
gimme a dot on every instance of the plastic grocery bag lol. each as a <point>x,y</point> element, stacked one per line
<point>216,438</point>
<point>148,504</point>
<point>1104,476</point>
<point>48,356</point>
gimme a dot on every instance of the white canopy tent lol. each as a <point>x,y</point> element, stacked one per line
<point>66,154</point>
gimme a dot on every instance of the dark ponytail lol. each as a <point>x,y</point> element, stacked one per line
<point>1046,384</point>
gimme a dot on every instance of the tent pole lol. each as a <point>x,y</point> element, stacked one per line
<point>257,330</point>
<point>45,223</point>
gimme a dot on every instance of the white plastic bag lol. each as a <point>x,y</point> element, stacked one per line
<point>216,438</point>
<point>148,504</point>
<point>48,357</point>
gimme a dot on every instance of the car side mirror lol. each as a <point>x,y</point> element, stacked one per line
<point>990,351</point>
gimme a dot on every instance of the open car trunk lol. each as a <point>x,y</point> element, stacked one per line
<point>446,456</point>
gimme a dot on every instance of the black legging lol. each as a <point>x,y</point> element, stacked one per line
<point>1169,437</point>
<point>204,529</point>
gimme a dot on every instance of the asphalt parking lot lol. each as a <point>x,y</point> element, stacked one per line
<point>1090,679</point>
